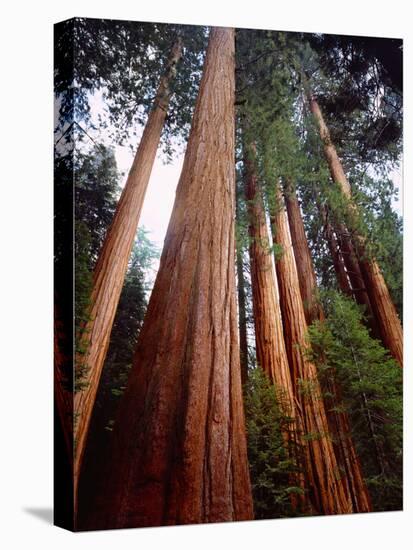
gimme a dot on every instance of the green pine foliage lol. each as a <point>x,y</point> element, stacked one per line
<point>96,190</point>
<point>271,465</point>
<point>371,384</point>
<point>128,321</point>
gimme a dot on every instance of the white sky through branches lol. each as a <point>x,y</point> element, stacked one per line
<point>160,195</point>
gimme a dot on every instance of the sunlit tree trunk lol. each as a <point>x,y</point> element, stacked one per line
<point>328,487</point>
<point>337,418</point>
<point>270,346</point>
<point>179,449</point>
<point>307,278</point>
<point>112,264</point>
<point>381,302</point>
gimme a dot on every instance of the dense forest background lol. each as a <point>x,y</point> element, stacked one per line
<point>319,346</point>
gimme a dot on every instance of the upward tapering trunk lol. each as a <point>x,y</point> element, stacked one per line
<point>307,278</point>
<point>179,448</point>
<point>270,346</point>
<point>328,489</point>
<point>337,418</point>
<point>381,302</point>
<point>112,264</point>
<point>336,254</point>
<point>269,338</point>
<point>357,281</point>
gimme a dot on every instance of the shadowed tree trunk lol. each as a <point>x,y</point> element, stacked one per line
<point>336,255</point>
<point>112,264</point>
<point>307,279</point>
<point>63,379</point>
<point>357,281</point>
<point>179,448</point>
<point>242,312</point>
<point>381,302</point>
<point>337,419</point>
<point>328,488</point>
<point>269,338</point>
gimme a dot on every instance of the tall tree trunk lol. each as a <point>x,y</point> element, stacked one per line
<point>337,257</point>
<point>338,421</point>
<point>328,488</point>
<point>242,313</point>
<point>179,448</point>
<point>381,302</point>
<point>307,278</point>
<point>270,346</point>
<point>269,337</point>
<point>357,281</point>
<point>112,264</point>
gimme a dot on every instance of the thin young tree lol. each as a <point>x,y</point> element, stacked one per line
<point>110,270</point>
<point>179,448</point>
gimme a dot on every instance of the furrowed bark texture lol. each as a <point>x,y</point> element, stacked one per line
<point>381,302</point>
<point>338,421</point>
<point>269,337</point>
<point>327,487</point>
<point>307,279</point>
<point>112,264</point>
<point>179,450</point>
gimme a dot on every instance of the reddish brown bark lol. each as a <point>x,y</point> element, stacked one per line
<point>381,302</point>
<point>270,346</point>
<point>357,281</point>
<point>307,278</point>
<point>338,421</point>
<point>328,487</point>
<point>112,264</point>
<point>179,449</point>
<point>269,338</point>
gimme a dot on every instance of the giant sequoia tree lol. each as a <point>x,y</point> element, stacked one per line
<point>312,210</point>
<point>269,334</point>
<point>338,421</point>
<point>113,260</point>
<point>131,72</point>
<point>328,487</point>
<point>186,372</point>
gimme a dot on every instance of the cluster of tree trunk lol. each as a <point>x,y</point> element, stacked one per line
<point>112,264</point>
<point>178,452</point>
<point>180,445</point>
<point>366,278</point>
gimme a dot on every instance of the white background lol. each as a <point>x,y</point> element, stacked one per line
<point>26,125</point>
